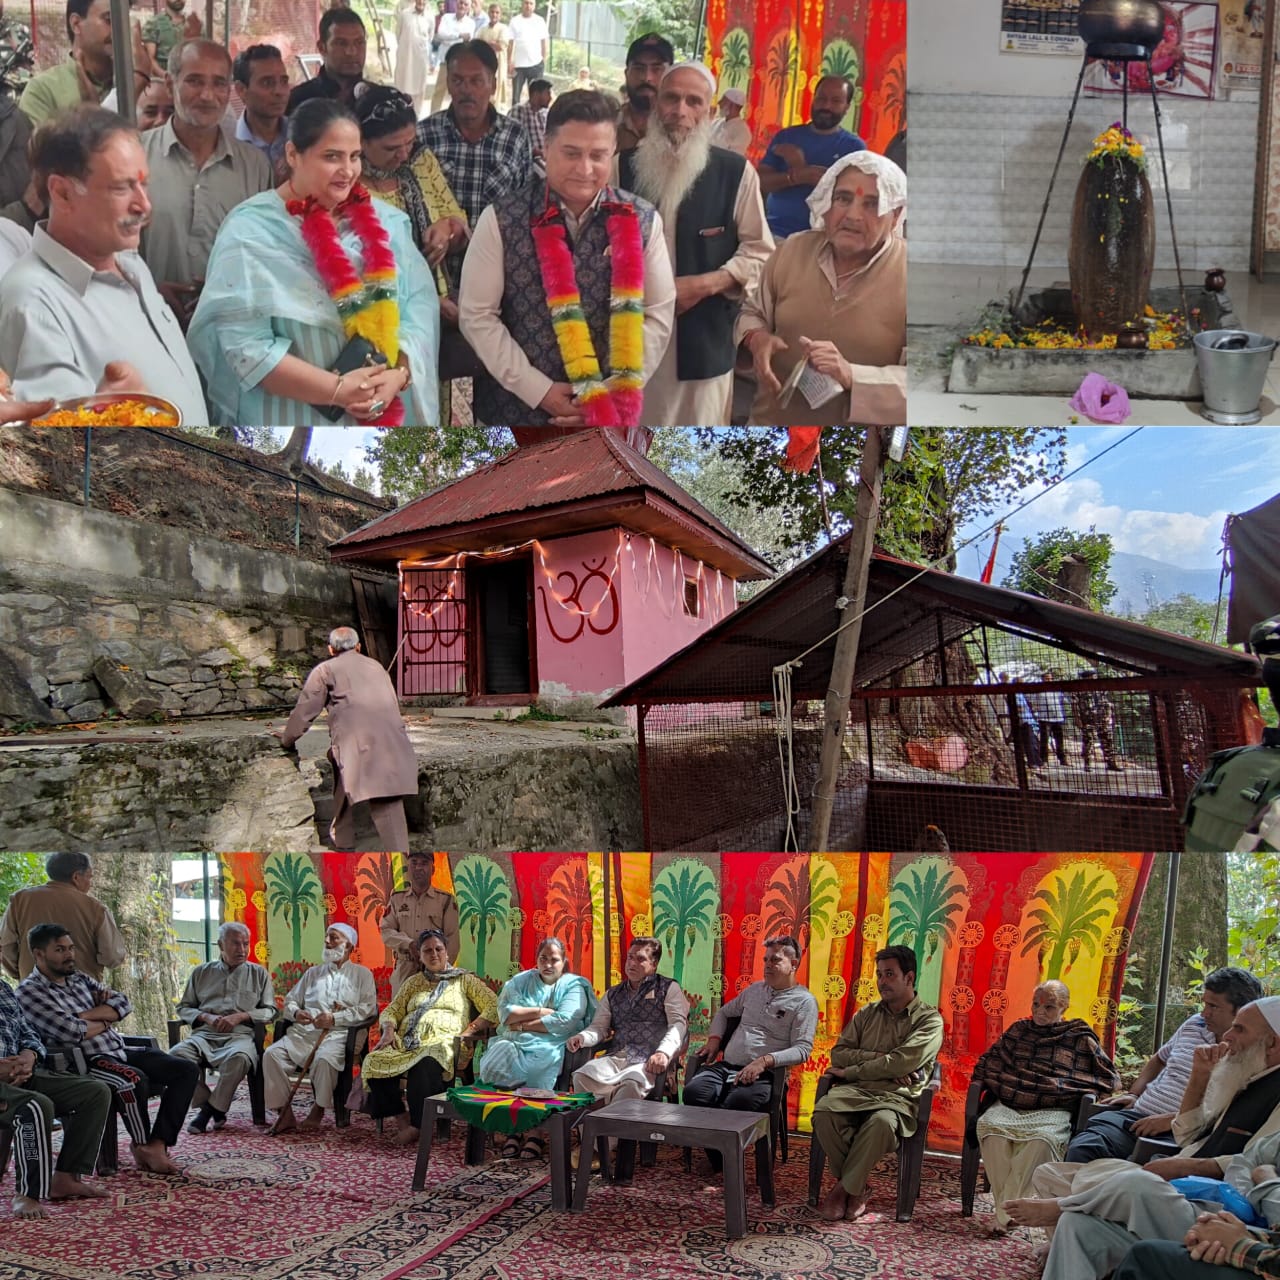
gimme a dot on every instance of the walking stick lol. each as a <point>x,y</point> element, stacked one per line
<point>297,1084</point>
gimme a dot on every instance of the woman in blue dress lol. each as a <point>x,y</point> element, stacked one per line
<point>298,272</point>
<point>538,1010</point>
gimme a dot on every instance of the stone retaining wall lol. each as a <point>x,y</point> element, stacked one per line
<point>101,612</point>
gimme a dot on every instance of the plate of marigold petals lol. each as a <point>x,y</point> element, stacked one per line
<point>115,409</point>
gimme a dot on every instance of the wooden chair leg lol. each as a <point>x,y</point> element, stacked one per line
<point>817,1157</point>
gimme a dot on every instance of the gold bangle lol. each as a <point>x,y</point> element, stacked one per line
<point>337,391</point>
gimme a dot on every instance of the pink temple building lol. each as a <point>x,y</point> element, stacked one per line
<point>558,574</point>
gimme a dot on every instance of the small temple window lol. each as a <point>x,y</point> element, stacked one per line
<point>691,598</point>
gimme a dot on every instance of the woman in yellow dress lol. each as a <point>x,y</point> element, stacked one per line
<point>419,1029</point>
<point>498,34</point>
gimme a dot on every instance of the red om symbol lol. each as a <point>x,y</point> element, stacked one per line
<point>586,618</point>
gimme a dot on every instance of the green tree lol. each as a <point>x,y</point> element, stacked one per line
<point>1071,917</point>
<point>684,902</point>
<point>484,898</point>
<point>677,20</point>
<point>375,883</point>
<point>800,902</point>
<point>1183,615</point>
<point>19,871</point>
<point>365,479</point>
<point>263,439</point>
<point>1044,567</point>
<point>294,890</point>
<point>921,907</point>
<point>412,461</point>
<point>950,477</point>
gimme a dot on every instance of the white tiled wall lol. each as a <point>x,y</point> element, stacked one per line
<point>979,167</point>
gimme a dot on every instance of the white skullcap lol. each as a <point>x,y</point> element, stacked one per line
<point>691,65</point>
<point>890,180</point>
<point>734,95</point>
<point>347,932</point>
<point>1269,1007</point>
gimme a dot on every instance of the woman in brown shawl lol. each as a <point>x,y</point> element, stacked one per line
<point>1037,1070</point>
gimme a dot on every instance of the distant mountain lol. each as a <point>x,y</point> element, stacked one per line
<point>1136,576</point>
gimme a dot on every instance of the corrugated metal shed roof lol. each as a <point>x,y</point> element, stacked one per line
<point>735,659</point>
<point>567,484</point>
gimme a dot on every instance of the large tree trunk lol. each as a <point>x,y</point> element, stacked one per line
<point>294,453</point>
<point>1199,921</point>
<point>138,887</point>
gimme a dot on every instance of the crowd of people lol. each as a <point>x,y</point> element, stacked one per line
<point>287,256</point>
<point>1212,1091</point>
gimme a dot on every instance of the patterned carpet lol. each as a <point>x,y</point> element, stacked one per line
<point>337,1207</point>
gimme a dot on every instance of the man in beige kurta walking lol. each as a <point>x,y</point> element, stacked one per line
<point>881,1063</point>
<point>714,225</point>
<point>368,744</point>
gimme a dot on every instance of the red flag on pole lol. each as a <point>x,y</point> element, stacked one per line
<point>991,559</point>
<point>802,448</point>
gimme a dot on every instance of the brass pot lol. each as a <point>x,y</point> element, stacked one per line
<point>1121,22</point>
<point>1131,337</point>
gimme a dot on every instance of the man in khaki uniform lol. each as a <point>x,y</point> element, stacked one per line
<point>368,744</point>
<point>881,1063</point>
<point>67,901</point>
<point>410,911</point>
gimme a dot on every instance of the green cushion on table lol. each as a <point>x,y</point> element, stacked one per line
<point>499,1111</point>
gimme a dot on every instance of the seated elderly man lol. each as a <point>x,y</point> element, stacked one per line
<point>1231,1108</point>
<point>1149,1108</point>
<point>1218,1240</point>
<point>779,1021</point>
<point>327,999</point>
<point>70,1008</point>
<point>29,1100</point>
<point>648,1016</point>
<point>222,1000</point>
<point>827,325</point>
<point>83,298</point>
<point>881,1063</point>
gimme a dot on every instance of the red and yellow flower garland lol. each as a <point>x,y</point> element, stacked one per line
<point>616,401</point>
<point>368,305</point>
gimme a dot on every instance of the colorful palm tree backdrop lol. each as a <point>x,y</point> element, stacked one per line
<point>376,881</point>
<point>484,900</point>
<point>572,897</point>
<point>294,891</point>
<point>802,900</point>
<point>684,906</point>
<point>923,905</point>
<point>1073,915</point>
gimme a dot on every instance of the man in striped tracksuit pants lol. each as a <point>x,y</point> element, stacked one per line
<point>29,1099</point>
<point>66,1007</point>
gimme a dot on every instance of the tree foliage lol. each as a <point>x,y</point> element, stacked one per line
<point>949,478</point>
<point>1037,566</point>
<point>1183,615</point>
<point>676,20</point>
<point>19,871</point>
<point>412,461</point>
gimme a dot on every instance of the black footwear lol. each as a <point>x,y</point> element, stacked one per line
<point>201,1123</point>
<point>219,1119</point>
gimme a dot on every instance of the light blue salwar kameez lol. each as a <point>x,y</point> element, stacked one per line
<point>514,1058</point>
<point>263,299</point>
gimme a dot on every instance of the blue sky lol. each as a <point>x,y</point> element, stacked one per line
<point>1164,493</point>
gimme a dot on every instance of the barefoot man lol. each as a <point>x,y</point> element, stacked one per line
<point>328,998</point>
<point>29,1099</point>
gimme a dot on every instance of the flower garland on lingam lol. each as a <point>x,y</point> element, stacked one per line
<point>1117,141</point>
<point>615,401</point>
<point>367,304</point>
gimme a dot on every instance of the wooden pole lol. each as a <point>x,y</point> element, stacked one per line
<point>861,545</point>
<point>122,59</point>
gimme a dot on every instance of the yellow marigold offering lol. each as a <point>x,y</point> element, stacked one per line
<point>1165,332</point>
<point>113,413</point>
<point>1117,141</point>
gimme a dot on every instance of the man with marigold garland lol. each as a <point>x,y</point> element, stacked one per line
<point>568,295</point>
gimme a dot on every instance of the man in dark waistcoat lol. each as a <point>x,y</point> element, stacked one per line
<point>505,308</point>
<point>714,222</point>
<point>648,1018</point>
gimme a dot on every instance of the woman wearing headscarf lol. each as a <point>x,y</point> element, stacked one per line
<point>418,1033</point>
<point>317,306</point>
<point>1037,1072</point>
<point>832,301</point>
<point>539,1010</point>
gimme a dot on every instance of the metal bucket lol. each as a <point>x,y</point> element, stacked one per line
<point>1233,370</point>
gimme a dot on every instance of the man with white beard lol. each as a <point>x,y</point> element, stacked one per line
<point>715,228</point>
<point>1227,1125</point>
<point>328,998</point>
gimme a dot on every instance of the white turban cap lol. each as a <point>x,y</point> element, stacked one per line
<point>1269,1007</point>
<point>890,180</point>
<point>347,932</point>
<point>691,65</point>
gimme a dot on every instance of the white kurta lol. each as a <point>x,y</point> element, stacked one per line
<point>613,1077</point>
<point>321,989</point>
<point>413,51</point>
<point>706,402</point>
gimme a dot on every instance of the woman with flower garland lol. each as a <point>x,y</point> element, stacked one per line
<point>317,305</point>
<point>568,295</point>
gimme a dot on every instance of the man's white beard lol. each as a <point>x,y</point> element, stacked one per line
<point>1230,1076</point>
<point>333,955</point>
<point>665,171</point>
